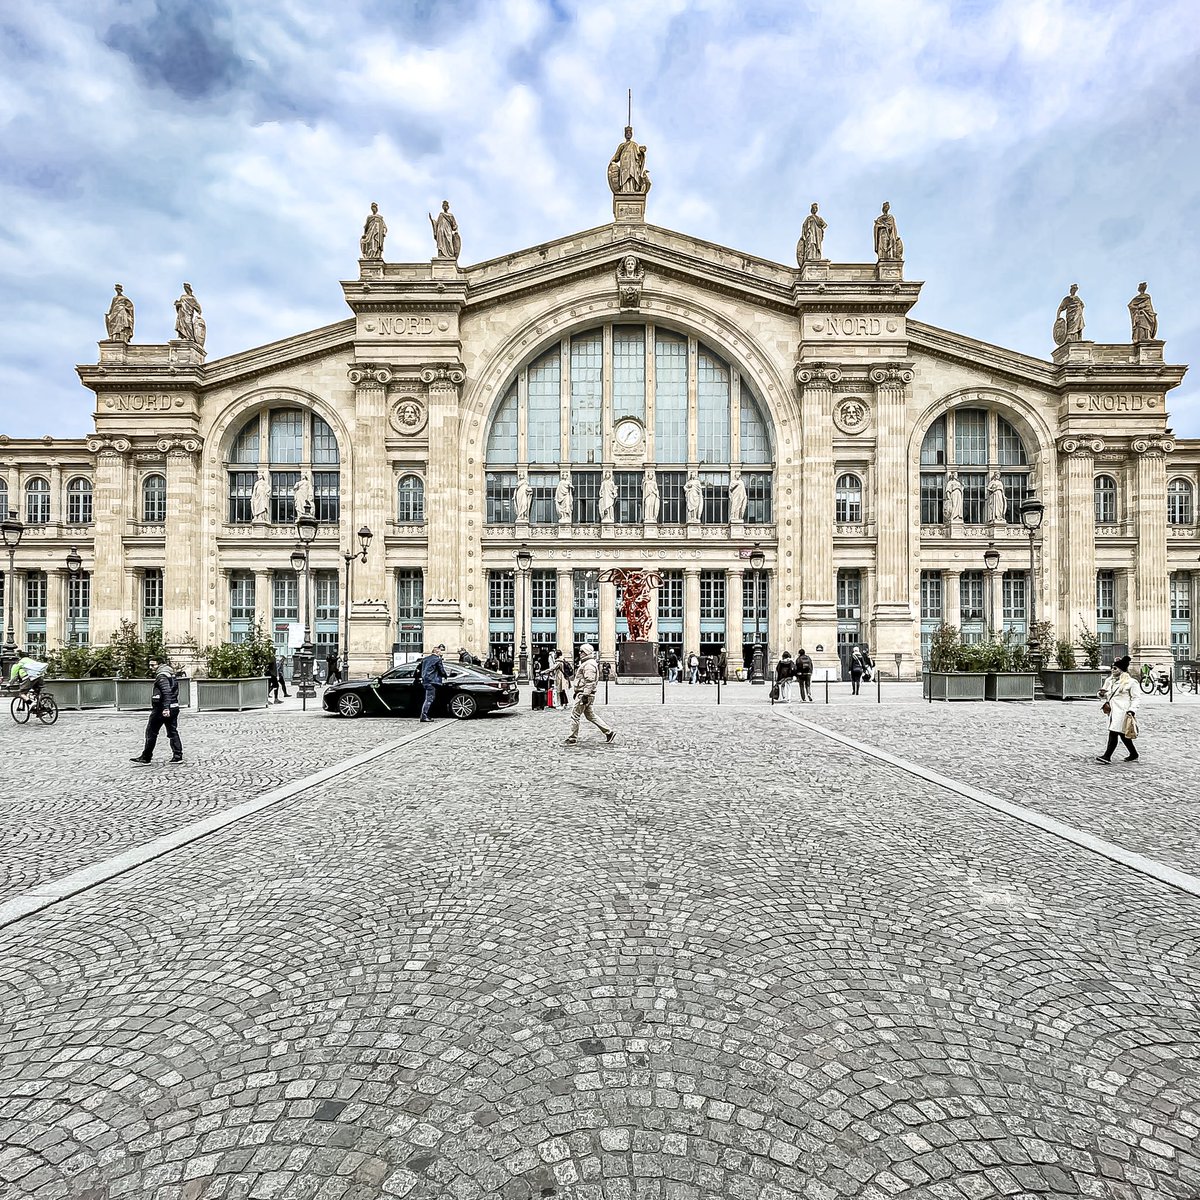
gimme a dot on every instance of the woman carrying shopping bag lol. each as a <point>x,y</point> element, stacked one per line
<point>1119,694</point>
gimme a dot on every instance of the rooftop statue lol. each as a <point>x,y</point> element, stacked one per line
<point>189,324</point>
<point>374,231</point>
<point>812,237</point>
<point>627,167</point>
<point>445,233</point>
<point>888,246</point>
<point>1142,315</point>
<point>119,318</point>
<point>1068,321</point>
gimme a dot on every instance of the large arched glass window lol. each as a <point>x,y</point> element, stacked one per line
<point>299,446</point>
<point>1180,510</point>
<point>1106,500</point>
<point>37,502</point>
<point>848,500</point>
<point>154,499</point>
<point>410,496</point>
<point>974,445</point>
<point>79,501</point>
<point>587,405</point>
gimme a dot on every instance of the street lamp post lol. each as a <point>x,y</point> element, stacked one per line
<point>306,530</point>
<point>12,530</point>
<point>348,557</point>
<point>991,560</point>
<point>524,560</point>
<point>74,566</point>
<point>1032,511</point>
<point>756,662</point>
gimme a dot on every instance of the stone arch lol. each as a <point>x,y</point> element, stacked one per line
<point>1022,414</point>
<point>228,422</point>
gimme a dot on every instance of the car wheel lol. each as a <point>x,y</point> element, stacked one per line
<point>463,706</point>
<point>350,705</point>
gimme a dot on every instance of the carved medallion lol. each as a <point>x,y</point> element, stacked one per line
<point>408,416</point>
<point>852,415</point>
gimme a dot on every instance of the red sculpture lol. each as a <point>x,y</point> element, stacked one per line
<point>637,594</point>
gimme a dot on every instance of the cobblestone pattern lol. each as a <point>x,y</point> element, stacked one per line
<point>687,966</point>
<point>73,797</point>
<point>1042,757</point>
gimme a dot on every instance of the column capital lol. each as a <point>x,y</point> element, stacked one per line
<point>370,375</point>
<point>1080,447</point>
<point>178,447</point>
<point>108,447</point>
<point>894,374</point>
<point>818,374</point>
<point>1152,446</point>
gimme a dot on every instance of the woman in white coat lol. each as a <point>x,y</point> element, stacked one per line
<point>1119,693</point>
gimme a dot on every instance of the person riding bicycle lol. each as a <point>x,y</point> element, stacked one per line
<point>27,673</point>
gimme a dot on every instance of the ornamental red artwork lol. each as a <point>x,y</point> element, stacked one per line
<point>637,594</point>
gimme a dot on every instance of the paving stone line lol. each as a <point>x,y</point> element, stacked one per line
<point>54,890</point>
<point>1077,837</point>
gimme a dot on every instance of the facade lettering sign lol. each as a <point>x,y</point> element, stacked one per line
<point>844,327</point>
<point>400,326</point>
<point>139,402</point>
<point>1117,402</point>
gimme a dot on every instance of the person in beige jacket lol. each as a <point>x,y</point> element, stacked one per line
<point>1119,693</point>
<point>586,676</point>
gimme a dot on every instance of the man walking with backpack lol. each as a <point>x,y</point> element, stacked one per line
<point>804,674</point>
<point>164,710</point>
<point>585,693</point>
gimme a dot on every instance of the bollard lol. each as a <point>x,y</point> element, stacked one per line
<point>718,689</point>
<point>878,687</point>
<point>664,689</point>
<point>606,689</point>
<point>1171,687</point>
<point>827,685</point>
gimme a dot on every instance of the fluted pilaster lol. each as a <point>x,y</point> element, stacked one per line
<point>1153,637</point>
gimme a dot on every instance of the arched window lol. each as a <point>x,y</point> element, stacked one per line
<point>37,502</point>
<point>299,446</point>
<point>3,498</point>
<point>1179,502</point>
<point>1106,500</point>
<point>848,500</point>
<point>154,499</point>
<point>79,501</point>
<point>584,405</point>
<point>410,496</point>
<point>974,445</point>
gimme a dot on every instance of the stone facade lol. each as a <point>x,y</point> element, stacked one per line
<point>851,392</point>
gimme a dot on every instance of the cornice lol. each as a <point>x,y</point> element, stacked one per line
<point>971,352</point>
<point>301,347</point>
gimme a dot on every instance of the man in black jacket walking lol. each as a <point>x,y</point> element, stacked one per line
<point>164,710</point>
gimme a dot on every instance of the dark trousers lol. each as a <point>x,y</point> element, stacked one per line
<point>1112,744</point>
<point>805,686</point>
<point>430,693</point>
<point>855,679</point>
<point>158,719</point>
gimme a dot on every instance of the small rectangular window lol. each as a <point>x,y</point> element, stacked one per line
<point>1106,595</point>
<point>283,497</point>
<point>543,594</point>
<point>500,488</point>
<point>716,497</point>
<point>152,598</point>
<point>931,595</point>
<point>585,501</point>
<point>670,596</point>
<point>587,595</point>
<point>970,592</point>
<point>628,509</point>
<point>712,595</point>
<point>671,510</point>
<point>501,595</point>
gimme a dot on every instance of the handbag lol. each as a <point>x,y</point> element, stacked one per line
<point>1131,726</point>
<point>1106,708</point>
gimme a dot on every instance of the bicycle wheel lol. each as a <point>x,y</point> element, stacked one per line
<point>1146,684</point>
<point>47,710</point>
<point>19,710</point>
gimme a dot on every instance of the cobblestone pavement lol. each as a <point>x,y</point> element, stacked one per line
<point>723,957</point>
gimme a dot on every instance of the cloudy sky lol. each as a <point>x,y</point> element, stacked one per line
<point>1024,145</point>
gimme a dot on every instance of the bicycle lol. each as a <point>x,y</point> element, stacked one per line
<point>34,703</point>
<point>1154,679</point>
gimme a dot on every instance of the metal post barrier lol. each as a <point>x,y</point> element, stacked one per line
<point>1171,685</point>
<point>664,689</point>
<point>718,687</point>
<point>826,685</point>
<point>878,687</point>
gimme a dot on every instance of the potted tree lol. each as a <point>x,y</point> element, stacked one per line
<point>1009,674</point>
<point>235,673</point>
<point>82,676</point>
<point>956,668</point>
<point>131,663</point>
<point>1067,680</point>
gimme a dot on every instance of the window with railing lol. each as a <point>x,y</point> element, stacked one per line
<point>410,500</point>
<point>585,497</point>
<point>1106,500</point>
<point>500,486</point>
<point>154,497</point>
<point>152,599</point>
<point>847,502</point>
<point>297,442</point>
<point>79,501</point>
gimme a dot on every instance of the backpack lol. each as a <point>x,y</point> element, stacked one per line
<point>567,669</point>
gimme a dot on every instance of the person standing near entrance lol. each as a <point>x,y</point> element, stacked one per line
<point>164,710</point>
<point>585,694</point>
<point>1120,702</point>
<point>804,673</point>
<point>433,672</point>
<point>856,669</point>
<point>332,673</point>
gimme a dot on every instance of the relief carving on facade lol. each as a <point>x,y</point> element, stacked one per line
<point>452,375</point>
<point>818,374</point>
<point>630,276</point>
<point>365,374</point>
<point>852,415</point>
<point>408,416</point>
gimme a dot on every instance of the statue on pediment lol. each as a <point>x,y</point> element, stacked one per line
<point>1068,321</point>
<point>564,496</point>
<point>374,231</point>
<point>997,500</point>
<point>693,497</point>
<point>888,246</point>
<point>650,496</point>
<point>119,318</point>
<point>608,497</point>
<point>953,499</point>
<point>522,498</point>
<point>189,324</point>
<point>260,497</point>
<point>1143,316</point>
<point>627,168</point>
<point>810,247</point>
<point>737,498</point>
<point>445,233</point>
<point>303,492</point>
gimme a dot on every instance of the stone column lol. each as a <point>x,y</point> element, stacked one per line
<point>691,610</point>
<point>58,510</point>
<point>224,608</point>
<point>181,575</point>
<point>951,599</point>
<point>734,603</point>
<point>1194,640</point>
<point>895,517</point>
<point>1150,508</point>
<point>108,545</point>
<point>1077,536</point>
<point>607,649</point>
<point>264,598</point>
<point>56,607</point>
<point>818,612</point>
<point>993,597</point>
<point>448,541</point>
<point>565,610</point>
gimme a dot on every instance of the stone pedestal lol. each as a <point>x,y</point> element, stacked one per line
<point>816,270</point>
<point>637,662</point>
<point>371,637</point>
<point>1149,353</point>
<point>629,208</point>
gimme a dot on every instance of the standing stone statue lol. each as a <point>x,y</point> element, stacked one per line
<point>564,496</point>
<point>189,324</point>
<point>693,497</point>
<point>812,238</point>
<point>522,498</point>
<point>303,492</point>
<point>445,233</point>
<point>608,496</point>
<point>627,167</point>
<point>737,498</point>
<point>650,497</point>
<point>260,497</point>
<point>888,246</point>
<point>119,318</point>
<point>374,231</point>
<point>997,500</point>
<point>954,499</point>
<point>1141,314</point>
<point>1068,321</point>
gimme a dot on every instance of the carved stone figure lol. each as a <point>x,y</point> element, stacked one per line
<point>997,500</point>
<point>650,497</point>
<point>954,499</point>
<point>260,497</point>
<point>630,275</point>
<point>812,238</point>
<point>608,496</point>
<point>303,492</point>
<point>888,246</point>
<point>119,318</point>
<point>189,324</point>
<point>737,499</point>
<point>637,596</point>
<point>522,499</point>
<point>1068,321</point>
<point>564,495</point>
<point>627,167</point>
<point>374,231</point>
<point>445,233</point>
<point>693,497</point>
<point>1141,314</point>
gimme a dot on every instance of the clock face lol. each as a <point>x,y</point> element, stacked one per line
<point>629,434</point>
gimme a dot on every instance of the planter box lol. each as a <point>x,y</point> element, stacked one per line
<point>1076,684</point>
<point>214,695</point>
<point>1010,685</point>
<point>133,695</point>
<point>954,685</point>
<point>83,693</point>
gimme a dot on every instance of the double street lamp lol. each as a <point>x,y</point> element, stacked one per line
<point>306,530</point>
<point>74,566</point>
<point>348,557</point>
<point>524,561</point>
<point>11,529</point>
<point>756,662</point>
<point>1032,511</point>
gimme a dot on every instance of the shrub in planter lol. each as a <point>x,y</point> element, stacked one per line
<point>943,648</point>
<point>1064,655</point>
<point>81,662</point>
<point>1089,643</point>
<point>131,653</point>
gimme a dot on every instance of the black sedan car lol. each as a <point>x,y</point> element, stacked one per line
<point>468,692</point>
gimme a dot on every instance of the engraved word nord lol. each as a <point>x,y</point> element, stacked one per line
<point>407,326</point>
